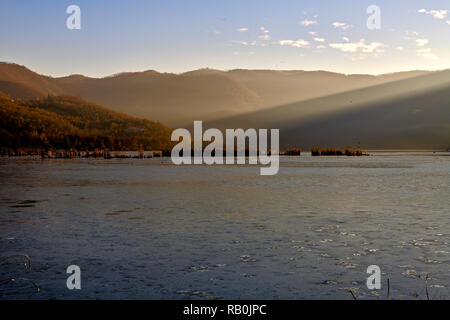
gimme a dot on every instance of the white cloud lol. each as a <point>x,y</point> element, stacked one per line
<point>437,14</point>
<point>421,42</point>
<point>319,39</point>
<point>410,34</point>
<point>242,29</point>
<point>426,53</point>
<point>321,46</point>
<point>246,43</point>
<point>346,39</point>
<point>448,22</point>
<point>265,37</point>
<point>373,47</point>
<point>286,42</point>
<point>429,56</point>
<point>345,47</point>
<point>313,33</point>
<point>425,50</point>
<point>341,25</point>
<point>295,43</point>
<point>360,46</point>
<point>399,48</point>
<point>307,23</point>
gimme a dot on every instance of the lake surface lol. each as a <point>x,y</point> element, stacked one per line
<point>146,229</point>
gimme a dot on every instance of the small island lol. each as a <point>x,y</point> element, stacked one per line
<point>338,152</point>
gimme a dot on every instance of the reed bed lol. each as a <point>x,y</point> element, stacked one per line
<point>338,152</point>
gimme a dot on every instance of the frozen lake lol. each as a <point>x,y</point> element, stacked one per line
<point>146,229</point>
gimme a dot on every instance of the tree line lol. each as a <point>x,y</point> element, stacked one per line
<point>62,122</point>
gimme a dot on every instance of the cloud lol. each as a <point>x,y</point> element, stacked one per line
<point>346,39</point>
<point>448,22</point>
<point>421,42</point>
<point>345,47</point>
<point>313,33</point>
<point>425,50</point>
<point>242,29</point>
<point>319,39</point>
<point>360,46</point>
<point>265,35</point>
<point>295,43</point>
<point>321,46</point>
<point>410,34</point>
<point>437,14</point>
<point>399,48</point>
<point>246,43</point>
<point>429,56</point>
<point>307,23</point>
<point>426,53</point>
<point>341,25</point>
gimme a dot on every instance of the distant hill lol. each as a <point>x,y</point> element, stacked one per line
<point>172,99</point>
<point>11,72</point>
<point>409,113</point>
<point>205,94</point>
<point>20,90</point>
<point>70,122</point>
<point>276,88</point>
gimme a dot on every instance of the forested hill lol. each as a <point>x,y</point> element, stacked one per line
<point>64,122</point>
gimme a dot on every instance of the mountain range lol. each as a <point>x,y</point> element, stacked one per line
<point>178,99</point>
<point>311,108</point>
<point>411,113</point>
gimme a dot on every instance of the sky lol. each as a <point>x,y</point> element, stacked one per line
<point>180,35</point>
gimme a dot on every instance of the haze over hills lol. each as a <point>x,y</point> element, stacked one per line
<point>178,99</point>
<point>409,113</point>
<point>311,108</point>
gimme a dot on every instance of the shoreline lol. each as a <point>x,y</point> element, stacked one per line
<point>166,154</point>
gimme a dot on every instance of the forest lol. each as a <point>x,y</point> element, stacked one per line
<point>65,122</point>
